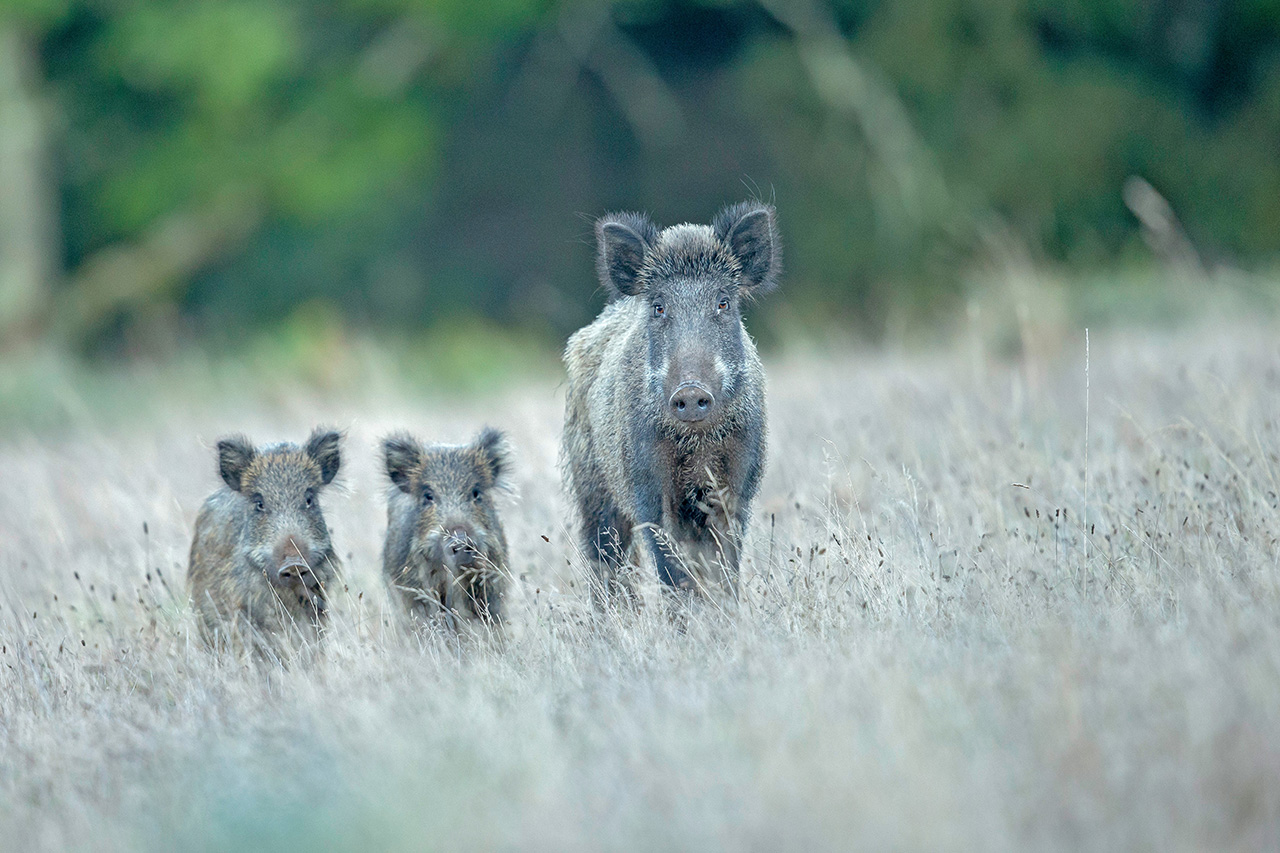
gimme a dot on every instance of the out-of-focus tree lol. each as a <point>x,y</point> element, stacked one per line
<point>187,131</point>
<point>28,229</point>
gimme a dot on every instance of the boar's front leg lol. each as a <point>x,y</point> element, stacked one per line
<point>708,524</point>
<point>714,515</point>
<point>650,503</point>
<point>606,537</point>
<point>744,469</point>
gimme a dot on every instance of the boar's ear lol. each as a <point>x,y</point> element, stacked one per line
<point>234,455</point>
<point>622,240</point>
<point>402,454</point>
<point>322,446</point>
<point>750,230</point>
<point>495,451</point>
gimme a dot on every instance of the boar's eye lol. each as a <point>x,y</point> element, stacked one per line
<point>309,499</point>
<point>259,504</point>
<point>723,304</point>
<point>476,494</point>
<point>659,309</point>
<point>428,497</point>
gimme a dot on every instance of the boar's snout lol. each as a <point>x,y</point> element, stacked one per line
<point>460,546</point>
<point>293,565</point>
<point>692,402</point>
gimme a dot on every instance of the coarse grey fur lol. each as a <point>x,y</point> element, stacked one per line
<point>445,551</point>
<point>665,424</point>
<point>261,555</point>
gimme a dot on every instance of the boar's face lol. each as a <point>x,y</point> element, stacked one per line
<point>286,535</point>
<point>689,283</point>
<point>455,523</point>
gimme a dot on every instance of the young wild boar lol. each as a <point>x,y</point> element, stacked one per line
<point>445,551</point>
<point>664,432</point>
<point>261,557</point>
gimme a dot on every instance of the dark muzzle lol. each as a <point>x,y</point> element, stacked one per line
<point>692,402</point>
<point>294,571</point>
<point>460,547</point>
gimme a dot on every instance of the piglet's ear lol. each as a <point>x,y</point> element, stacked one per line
<point>750,230</point>
<point>401,455</point>
<point>622,239</point>
<point>322,446</point>
<point>234,455</point>
<point>495,452</point>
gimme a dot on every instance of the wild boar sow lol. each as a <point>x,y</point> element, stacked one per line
<point>664,436</point>
<point>261,557</point>
<point>445,552</point>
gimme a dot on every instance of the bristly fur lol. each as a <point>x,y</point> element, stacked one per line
<point>687,252</point>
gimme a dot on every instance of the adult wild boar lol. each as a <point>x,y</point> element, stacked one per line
<point>261,557</point>
<point>664,434</point>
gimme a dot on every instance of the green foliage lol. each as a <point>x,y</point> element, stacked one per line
<point>41,13</point>
<point>417,160</point>
<point>223,55</point>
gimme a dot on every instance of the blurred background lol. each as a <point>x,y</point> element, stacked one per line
<point>216,174</point>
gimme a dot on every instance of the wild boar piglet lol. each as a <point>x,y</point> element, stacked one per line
<point>262,559</point>
<point>445,551</point>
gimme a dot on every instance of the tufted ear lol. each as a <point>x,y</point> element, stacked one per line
<point>322,446</point>
<point>750,230</point>
<point>622,239</point>
<point>234,455</point>
<point>401,455</point>
<point>495,450</point>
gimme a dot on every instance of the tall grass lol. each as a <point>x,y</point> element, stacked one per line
<point>934,651</point>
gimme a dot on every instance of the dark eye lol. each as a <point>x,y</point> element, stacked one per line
<point>475,494</point>
<point>658,309</point>
<point>259,504</point>
<point>309,499</point>
<point>428,497</point>
<point>723,305</point>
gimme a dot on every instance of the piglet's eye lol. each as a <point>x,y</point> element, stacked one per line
<point>723,304</point>
<point>259,504</point>
<point>427,497</point>
<point>658,309</point>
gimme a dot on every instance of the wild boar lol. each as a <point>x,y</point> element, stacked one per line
<point>665,423</point>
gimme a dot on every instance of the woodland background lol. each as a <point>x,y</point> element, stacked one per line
<point>213,172</point>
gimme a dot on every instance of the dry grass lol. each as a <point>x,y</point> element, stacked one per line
<point>935,652</point>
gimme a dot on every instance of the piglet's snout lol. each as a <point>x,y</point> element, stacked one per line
<point>293,565</point>
<point>460,546</point>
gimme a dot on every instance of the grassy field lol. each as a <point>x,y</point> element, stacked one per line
<point>964,626</point>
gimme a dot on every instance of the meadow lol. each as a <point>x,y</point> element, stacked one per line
<point>989,603</point>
